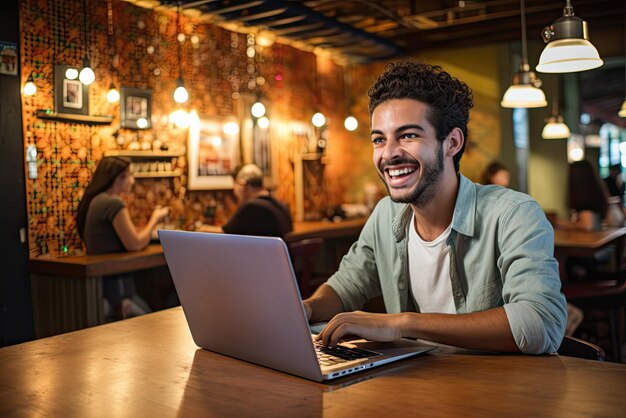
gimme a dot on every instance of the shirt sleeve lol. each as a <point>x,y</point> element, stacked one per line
<point>356,281</point>
<point>535,307</point>
<point>112,207</point>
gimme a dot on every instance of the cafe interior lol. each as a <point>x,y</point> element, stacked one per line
<point>189,90</point>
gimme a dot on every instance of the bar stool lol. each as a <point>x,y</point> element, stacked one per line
<point>606,294</point>
<point>304,256</point>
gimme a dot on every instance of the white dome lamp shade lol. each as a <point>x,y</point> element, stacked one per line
<point>555,128</point>
<point>524,91</point>
<point>568,48</point>
<point>622,112</point>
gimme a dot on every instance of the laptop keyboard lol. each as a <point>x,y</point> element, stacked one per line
<point>329,356</point>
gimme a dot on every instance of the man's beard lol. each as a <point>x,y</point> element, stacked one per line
<point>427,185</point>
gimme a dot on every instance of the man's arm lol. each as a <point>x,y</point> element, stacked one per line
<point>486,330</point>
<point>323,305</point>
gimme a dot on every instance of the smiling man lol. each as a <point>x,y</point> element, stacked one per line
<point>456,263</point>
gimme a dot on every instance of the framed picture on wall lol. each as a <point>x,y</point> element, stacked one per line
<point>70,96</point>
<point>136,108</point>
<point>213,151</point>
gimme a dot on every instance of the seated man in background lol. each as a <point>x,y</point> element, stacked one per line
<point>456,262</point>
<point>258,213</point>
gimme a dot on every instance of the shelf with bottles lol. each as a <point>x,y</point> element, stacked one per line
<point>150,163</point>
<point>143,154</point>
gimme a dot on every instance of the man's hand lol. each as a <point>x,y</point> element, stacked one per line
<point>371,326</point>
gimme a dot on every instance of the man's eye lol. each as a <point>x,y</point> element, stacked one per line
<point>409,135</point>
<point>378,140</point>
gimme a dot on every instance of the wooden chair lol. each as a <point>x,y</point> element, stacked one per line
<point>304,255</point>
<point>607,294</point>
<point>574,347</point>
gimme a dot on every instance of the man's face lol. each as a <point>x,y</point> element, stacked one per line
<point>407,154</point>
<point>239,190</point>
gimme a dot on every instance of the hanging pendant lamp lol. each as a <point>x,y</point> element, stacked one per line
<point>568,48</point>
<point>524,91</point>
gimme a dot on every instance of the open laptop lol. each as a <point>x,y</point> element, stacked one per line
<point>241,299</point>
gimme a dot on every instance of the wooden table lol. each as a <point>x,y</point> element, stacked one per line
<point>577,243</point>
<point>149,367</point>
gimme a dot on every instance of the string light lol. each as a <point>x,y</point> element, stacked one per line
<point>86,75</point>
<point>180,93</point>
<point>29,88</point>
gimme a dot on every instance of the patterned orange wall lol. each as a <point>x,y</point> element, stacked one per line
<point>141,51</point>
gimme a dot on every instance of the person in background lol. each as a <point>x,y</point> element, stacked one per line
<point>105,226</point>
<point>258,213</point>
<point>587,197</point>
<point>588,200</point>
<point>615,184</point>
<point>496,173</point>
<point>457,263</point>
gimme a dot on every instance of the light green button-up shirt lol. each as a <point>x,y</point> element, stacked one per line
<point>501,254</point>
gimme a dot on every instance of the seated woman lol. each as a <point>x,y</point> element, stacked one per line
<point>105,226</point>
<point>587,197</point>
<point>588,203</point>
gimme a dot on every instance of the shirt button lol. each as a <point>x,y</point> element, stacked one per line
<point>401,285</point>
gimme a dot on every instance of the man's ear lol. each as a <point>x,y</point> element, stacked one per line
<point>455,141</point>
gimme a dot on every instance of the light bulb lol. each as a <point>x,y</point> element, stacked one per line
<point>180,118</point>
<point>142,123</point>
<point>71,73</point>
<point>318,120</point>
<point>263,122</point>
<point>231,128</point>
<point>29,88</point>
<point>180,94</point>
<point>257,109</point>
<point>351,123</point>
<point>86,75</point>
<point>113,96</point>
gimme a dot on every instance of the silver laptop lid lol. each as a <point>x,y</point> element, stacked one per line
<point>241,298</point>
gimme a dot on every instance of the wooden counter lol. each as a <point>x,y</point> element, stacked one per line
<point>99,265</point>
<point>150,367</point>
<point>327,230</point>
<point>67,291</point>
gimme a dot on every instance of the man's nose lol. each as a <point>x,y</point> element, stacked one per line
<point>392,150</point>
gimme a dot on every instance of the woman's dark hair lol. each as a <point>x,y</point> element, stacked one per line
<point>491,170</point>
<point>586,190</point>
<point>450,99</point>
<point>103,178</point>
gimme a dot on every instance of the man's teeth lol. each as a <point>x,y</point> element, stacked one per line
<point>397,172</point>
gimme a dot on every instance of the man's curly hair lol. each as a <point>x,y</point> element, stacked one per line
<point>450,99</point>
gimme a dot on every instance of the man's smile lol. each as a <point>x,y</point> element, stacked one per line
<point>398,176</point>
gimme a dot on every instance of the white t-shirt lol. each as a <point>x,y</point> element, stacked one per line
<point>429,269</point>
